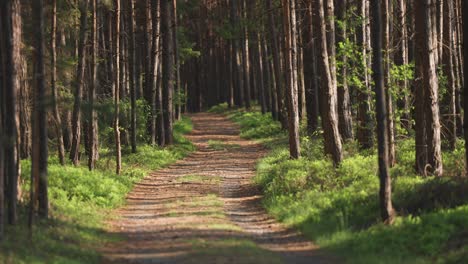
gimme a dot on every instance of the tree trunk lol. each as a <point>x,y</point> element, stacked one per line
<point>246,57</point>
<point>93,125</point>
<point>387,5</point>
<point>150,61</point>
<point>426,73</point>
<point>11,47</point>
<point>118,154</point>
<point>310,72</point>
<point>276,61</point>
<point>79,85</point>
<point>364,133</point>
<point>291,77</point>
<point>332,138</point>
<point>386,208</point>
<point>465,89</point>
<point>132,73</point>
<point>449,109</point>
<point>40,155</point>
<point>53,84</point>
<point>167,68</point>
<point>344,102</point>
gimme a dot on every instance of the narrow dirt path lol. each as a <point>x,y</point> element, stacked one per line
<point>205,209</point>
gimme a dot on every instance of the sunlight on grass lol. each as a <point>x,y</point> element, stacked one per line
<point>338,208</point>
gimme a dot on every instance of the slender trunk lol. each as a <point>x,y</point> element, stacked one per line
<point>93,130</point>
<point>386,208</point>
<point>246,57</point>
<point>310,72</point>
<point>177,86</point>
<point>79,85</point>
<point>118,154</point>
<point>332,138</point>
<point>132,73</point>
<point>449,109</point>
<point>387,5</point>
<point>344,102</point>
<point>465,89</point>
<point>53,84</point>
<point>276,61</point>
<point>291,84</point>
<point>167,68</point>
<point>40,155</point>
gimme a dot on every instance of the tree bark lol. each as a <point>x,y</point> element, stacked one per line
<point>167,68</point>
<point>465,89</point>
<point>40,155</point>
<point>386,208</point>
<point>132,73</point>
<point>291,77</point>
<point>79,86</point>
<point>344,102</point>
<point>428,82</point>
<point>328,97</point>
<point>118,154</point>
<point>11,45</point>
<point>93,125</point>
<point>310,72</point>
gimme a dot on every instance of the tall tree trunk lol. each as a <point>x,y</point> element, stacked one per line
<point>246,57</point>
<point>328,97</point>
<point>310,72</point>
<point>364,133</point>
<point>93,125</point>
<point>291,81</point>
<point>79,85</point>
<point>150,62</point>
<point>276,61</point>
<point>449,109</point>
<point>167,68</point>
<point>386,208</point>
<point>40,155</point>
<point>344,102</point>
<point>11,47</point>
<point>400,59</point>
<point>177,86</point>
<point>387,5</point>
<point>53,84</point>
<point>465,88</point>
<point>118,154</point>
<point>132,65</point>
<point>426,73</point>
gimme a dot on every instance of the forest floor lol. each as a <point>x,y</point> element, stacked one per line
<point>206,209</point>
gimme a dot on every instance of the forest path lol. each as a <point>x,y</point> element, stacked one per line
<point>205,209</point>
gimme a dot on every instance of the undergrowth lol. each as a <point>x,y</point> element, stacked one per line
<point>339,208</point>
<point>80,202</point>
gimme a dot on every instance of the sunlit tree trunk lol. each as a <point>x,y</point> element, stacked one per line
<point>328,95</point>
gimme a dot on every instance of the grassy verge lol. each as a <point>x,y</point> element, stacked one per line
<point>80,202</point>
<point>338,208</point>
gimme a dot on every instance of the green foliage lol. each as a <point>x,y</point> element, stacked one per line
<point>339,208</point>
<point>80,202</point>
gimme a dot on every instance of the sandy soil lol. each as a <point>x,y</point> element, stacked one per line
<point>205,209</point>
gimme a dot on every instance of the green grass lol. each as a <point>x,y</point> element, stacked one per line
<point>338,208</point>
<point>220,145</point>
<point>80,202</point>
<point>231,251</point>
<point>195,178</point>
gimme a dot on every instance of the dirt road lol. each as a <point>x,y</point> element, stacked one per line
<point>205,209</point>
